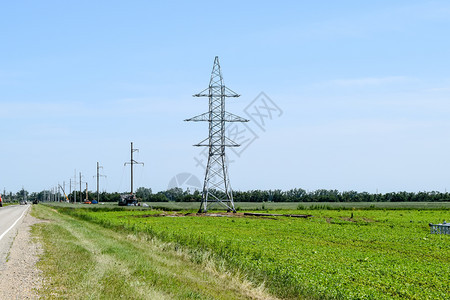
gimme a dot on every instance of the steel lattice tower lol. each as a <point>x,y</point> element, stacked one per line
<point>216,187</point>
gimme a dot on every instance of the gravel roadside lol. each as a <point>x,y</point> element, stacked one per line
<point>20,278</point>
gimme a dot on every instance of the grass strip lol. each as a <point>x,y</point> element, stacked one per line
<point>83,260</point>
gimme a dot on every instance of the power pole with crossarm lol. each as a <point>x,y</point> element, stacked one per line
<point>133,162</point>
<point>98,181</point>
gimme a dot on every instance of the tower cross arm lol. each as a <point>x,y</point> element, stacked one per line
<point>230,93</point>
<point>133,162</point>
<point>207,93</point>
<point>229,117</point>
<point>202,117</point>
<point>228,143</point>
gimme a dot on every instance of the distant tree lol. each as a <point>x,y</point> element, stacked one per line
<point>159,197</point>
<point>144,193</point>
<point>21,194</point>
<point>109,197</point>
<point>175,194</point>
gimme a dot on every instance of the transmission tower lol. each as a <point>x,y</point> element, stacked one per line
<point>216,187</point>
<point>133,162</point>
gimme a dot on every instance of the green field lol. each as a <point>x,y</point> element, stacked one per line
<point>342,254</point>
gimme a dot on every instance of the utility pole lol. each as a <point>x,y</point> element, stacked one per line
<point>216,187</point>
<point>70,187</point>
<point>133,162</point>
<point>75,186</point>
<point>98,181</point>
<point>24,195</point>
<point>81,195</point>
<point>87,192</point>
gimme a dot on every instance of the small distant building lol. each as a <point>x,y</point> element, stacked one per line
<point>443,228</point>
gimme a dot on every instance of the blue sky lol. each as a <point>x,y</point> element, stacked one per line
<point>363,90</point>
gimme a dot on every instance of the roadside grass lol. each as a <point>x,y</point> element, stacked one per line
<point>83,260</point>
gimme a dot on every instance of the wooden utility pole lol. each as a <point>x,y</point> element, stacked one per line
<point>75,186</point>
<point>133,162</point>
<point>81,195</point>
<point>98,181</point>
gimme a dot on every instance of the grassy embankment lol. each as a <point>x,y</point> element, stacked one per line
<point>83,260</point>
<point>343,254</point>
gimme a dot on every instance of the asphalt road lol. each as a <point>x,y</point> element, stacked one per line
<point>10,219</point>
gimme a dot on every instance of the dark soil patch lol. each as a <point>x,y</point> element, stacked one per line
<point>221,214</point>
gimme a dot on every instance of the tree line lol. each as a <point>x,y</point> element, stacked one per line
<point>301,195</point>
<point>294,195</point>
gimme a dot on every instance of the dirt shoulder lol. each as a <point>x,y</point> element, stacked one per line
<point>20,278</point>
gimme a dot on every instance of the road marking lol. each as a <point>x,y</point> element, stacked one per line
<point>4,233</point>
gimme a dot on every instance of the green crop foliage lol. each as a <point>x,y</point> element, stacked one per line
<point>347,254</point>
